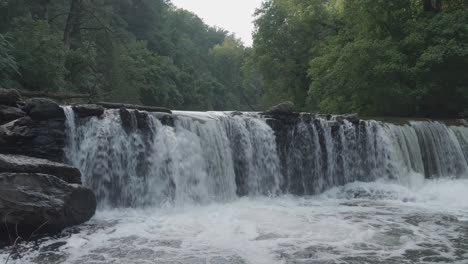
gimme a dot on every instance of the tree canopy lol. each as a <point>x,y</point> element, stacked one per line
<point>134,51</point>
<point>374,57</point>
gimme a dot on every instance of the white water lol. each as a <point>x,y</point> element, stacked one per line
<point>388,223</point>
<point>216,189</point>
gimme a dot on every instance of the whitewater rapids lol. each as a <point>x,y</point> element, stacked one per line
<point>216,188</point>
<point>376,222</point>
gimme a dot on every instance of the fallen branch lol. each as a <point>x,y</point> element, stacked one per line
<point>18,238</point>
<point>137,107</point>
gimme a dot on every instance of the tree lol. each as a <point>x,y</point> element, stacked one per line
<point>8,66</point>
<point>39,54</point>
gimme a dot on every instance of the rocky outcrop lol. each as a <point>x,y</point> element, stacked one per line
<point>37,193</point>
<point>87,110</point>
<point>43,109</point>
<point>10,97</point>
<point>23,164</point>
<point>10,113</point>
<point>282,108</point>
<point>36,138</point>
<point>33,203</point>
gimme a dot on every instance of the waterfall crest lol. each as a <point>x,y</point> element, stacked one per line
<point>217,156</point>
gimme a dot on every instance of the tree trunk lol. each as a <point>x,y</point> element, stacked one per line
<point>438,6</point>
<point>44,12</point>
<point>40,9</point>
<point>427,5</point>
<point>75,9</point>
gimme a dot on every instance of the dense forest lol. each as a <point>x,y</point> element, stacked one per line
<point>374,57</point>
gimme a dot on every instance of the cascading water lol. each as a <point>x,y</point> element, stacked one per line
<point>207,157</point>
<point>222,188</point>
<point>217,157</point>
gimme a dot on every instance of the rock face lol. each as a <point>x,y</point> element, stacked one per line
<point>10,97</point>
<point>282,108</point>
<point>41,203</point>
<point>23,164</point>
<point>43,109</point>
<point>87,110</point>
<point>10,113</point>
<point>38,195</point>
<point>36,138</point>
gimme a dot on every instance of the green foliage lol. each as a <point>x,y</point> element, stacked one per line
<point>136,51</point>
<point>8,67</point>
<point>367,56</point>
<point>39,53</point>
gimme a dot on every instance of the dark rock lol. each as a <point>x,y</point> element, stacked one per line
<point>9,97</point>
<point>41,139</point>
<point>282,108</point>
<point>10,113</point>
<point>135,107</point>
<point>87,110</point>
<point>236,113</point>
<point>306,117</point>
<point>41,203</point>
<point>167,120</point>
<point>353,118</point>
<point>128,119</point>
<point>43,109</point>
<point>23,164</point>
<point>340,119</point>
<point>143,121</point>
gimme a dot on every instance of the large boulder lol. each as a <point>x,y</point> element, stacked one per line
<point>43,109</point>
<point>32,203</point>
<point>9,97</point>
<point>87,110</point>
<point>41,139</point>
<point>282,108</point>
<point>10,113</point>
<point>23,164</point>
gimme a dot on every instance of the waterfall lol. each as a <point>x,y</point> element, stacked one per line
<point>216,156</point>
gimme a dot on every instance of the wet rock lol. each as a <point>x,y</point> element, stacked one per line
<point>128,120</point>
<point>23,164</point>
<point>166,119</point>
<point>87,110</point>
<point>327,117</point>
<point>142,119</point>
<point>9,97</point>
<point>34,203</point>
<point>282,108</point>
<point>43,109</point>
<point>35,138</point>
<point>10,113</point>
<point>236,113</point>
<point>353,118</point>
<point>306,117</point>
<point>135,107</point>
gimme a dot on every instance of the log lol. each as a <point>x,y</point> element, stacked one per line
<point>56,96</point>
<point>137,107</point>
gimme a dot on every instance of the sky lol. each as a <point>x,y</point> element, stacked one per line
<point>236,16</point>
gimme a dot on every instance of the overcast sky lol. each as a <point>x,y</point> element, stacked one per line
<point>236,16</point>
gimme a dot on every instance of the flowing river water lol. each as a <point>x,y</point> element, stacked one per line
<point>221,189</point>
